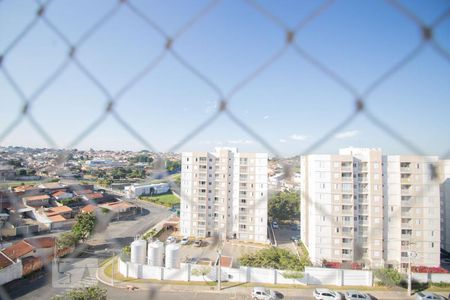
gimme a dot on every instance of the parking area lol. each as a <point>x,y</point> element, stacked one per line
<point>284,235</point>
<point>207,252</point>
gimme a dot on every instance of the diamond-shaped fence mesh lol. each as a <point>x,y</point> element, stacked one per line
<point>223,98</point>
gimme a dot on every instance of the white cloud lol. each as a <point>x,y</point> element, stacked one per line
<point>298,137</point>
<point>346,134</point>
<point>266,117</point>
<point>282,141</point>
<point>240,141</point>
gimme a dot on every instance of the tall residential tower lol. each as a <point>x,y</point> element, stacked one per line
<point>362,206</point>
<point>224,193</point>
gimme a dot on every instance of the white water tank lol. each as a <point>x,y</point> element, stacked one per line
<point>138,251</point>
<point>155,253</point>
<point>172,256</point>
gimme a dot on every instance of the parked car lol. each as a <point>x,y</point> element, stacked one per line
<point>429,296</point>
<point>356,295</point>
<point>262,293</point>
<point>184,240</point>
<point>198,243</point>
<point>275,225</point>
<point>171,240</point>
<point>326,294</point>
<point>295,238</point>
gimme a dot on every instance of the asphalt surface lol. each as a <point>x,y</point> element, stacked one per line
<point>118,234</point>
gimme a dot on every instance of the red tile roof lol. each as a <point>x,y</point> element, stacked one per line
<point>41,242</point>
<point>57,210</point>
<point>56,218</point>
<point>58,193</point>
<point>89,208</point>
<point>36,198</point>
<point>83,192</point>
<point>93,196</point>
<point>18,250</point>
<point>4,261</point>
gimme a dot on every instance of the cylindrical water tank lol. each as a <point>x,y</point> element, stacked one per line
<point>155,253</point>
<point>172,256</point>
<point>138,251</point>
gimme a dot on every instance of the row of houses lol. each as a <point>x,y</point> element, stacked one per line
<point>52,206</point>
<point>27,256</point>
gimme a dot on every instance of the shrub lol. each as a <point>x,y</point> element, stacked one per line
<point>84,293</point>
<point>273,258</point>
<point>293,274</point>
<point>388,277</point>
<point>423,269</point>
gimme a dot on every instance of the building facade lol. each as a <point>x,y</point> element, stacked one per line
<point>365,207</point>
<point>224,193</point>
<point>444,172</point>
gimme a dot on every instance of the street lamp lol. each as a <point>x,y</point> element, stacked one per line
<point>411,254</point>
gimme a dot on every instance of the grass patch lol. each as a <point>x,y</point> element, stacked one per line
<point>167,200</point>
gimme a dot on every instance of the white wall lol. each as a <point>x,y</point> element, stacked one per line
<point>247,274</point>
<point>11,272</point>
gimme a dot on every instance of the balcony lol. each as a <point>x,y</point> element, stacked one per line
<point>347,234</point>
<point>347,223</point>
<point>347,245</point>
<point>406,191</point>
<point>363,222</point>
<point>405,180</point>
<point>406,236</point>
<point>347,256</point>
<point>347,212</point>
<point>363,211</point>
<point>407,225</point>
<point>406,213</point>
<point>347,200</point>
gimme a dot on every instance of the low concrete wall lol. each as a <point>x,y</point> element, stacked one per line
<point>11,272</point>
<point>188,272</point>
<point>431,277</point>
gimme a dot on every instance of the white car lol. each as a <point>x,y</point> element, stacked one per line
<point>262,293</point>
<point>356,295</point>
<point>171,240</point>
<point>326,294</point>
<point>429,296</point>
<point>275,225</point>
<point>184,240</point>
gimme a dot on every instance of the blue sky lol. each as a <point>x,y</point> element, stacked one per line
<point>291,104</point>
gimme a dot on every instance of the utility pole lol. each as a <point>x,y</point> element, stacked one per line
<point>411,254</point>
<point>112,278</point>
<point>409,269</point>
<point>219,267</point>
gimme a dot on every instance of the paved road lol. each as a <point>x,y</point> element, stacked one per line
<point>117,235</point>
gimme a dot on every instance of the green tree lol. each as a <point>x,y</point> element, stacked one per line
<point>104,182</point>
<point>84,293</point>
<point>84,226</point>
<point>388,276</point>
<point>284,206</point>
<point>172,165</point>
<point>67,239</point>
<point>273,258</point>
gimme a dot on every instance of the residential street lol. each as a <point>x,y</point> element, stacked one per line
<point>117,235</point>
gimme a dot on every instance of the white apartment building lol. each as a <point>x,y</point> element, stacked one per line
<point>362,206</point>
<point>444,169</point>
<point>224,193</point>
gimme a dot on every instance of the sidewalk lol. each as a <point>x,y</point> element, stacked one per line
<point>235,289</point>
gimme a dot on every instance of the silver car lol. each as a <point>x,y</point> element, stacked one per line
<point>326,294</point>
<point>356,295</point>
<point>262,293</point>
<point>429,296</point>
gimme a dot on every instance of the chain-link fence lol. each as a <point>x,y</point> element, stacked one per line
<point>223,98</point>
